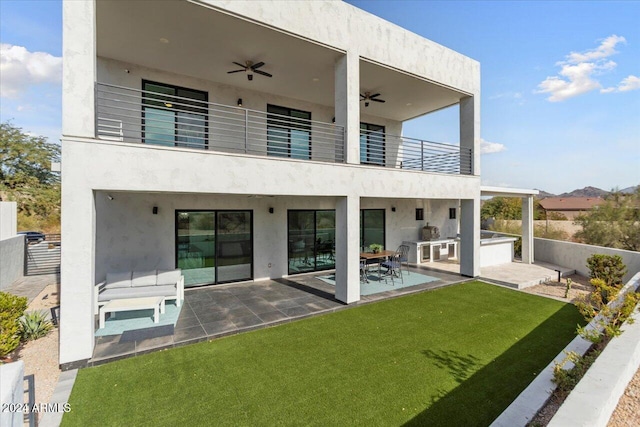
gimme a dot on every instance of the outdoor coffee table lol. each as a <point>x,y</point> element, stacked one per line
<point>132,304</point>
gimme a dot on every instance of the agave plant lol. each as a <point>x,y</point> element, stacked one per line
<point>34,325</point>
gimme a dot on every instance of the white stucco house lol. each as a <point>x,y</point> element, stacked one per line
<point>244,141</point>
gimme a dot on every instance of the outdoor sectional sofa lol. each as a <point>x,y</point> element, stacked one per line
<point>140,284</point>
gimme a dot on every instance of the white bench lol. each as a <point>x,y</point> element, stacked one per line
<point>132,304</point>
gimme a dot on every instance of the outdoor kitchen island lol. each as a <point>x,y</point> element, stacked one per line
<point>432,250</point>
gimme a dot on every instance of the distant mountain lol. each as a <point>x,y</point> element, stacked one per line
<point>629,190</point>
<point>586,192</point>
<point>543,194</point>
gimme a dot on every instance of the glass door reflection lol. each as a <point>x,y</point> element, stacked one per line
<point>196,247</point>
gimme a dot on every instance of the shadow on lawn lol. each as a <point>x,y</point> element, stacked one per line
<point>483,395</point>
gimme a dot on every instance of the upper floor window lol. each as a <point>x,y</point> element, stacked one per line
<point>372,144</point>
<point>288,132</point>
<point>174,116</point>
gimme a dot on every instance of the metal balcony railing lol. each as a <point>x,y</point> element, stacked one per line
<point>377,148</point>
<point>138,116</point>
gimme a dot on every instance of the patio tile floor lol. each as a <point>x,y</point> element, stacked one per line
<point>216,311</point>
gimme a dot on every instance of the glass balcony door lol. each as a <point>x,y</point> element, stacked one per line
<point>288,132</point>
<point>372,144</point>
<point>214,246</point>
<point>174,116</point>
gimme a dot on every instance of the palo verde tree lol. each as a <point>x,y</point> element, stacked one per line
<point>26,177</point>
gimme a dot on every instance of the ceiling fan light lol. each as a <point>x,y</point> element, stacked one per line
<point>250,76</point>
<point>366,103</point>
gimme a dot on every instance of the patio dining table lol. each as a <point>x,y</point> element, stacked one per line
<point>380,256</point>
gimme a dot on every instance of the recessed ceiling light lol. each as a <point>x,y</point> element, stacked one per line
<point>315,79</point>
<point>163,40</point>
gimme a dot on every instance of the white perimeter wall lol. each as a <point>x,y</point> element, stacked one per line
<point>574,255</point>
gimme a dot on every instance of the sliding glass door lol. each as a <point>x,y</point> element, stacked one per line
<point>372,228</point>
<point>214,246</point>
<point>311,236</point>
<point>288,132</point>
<point>372,144</point>
<point>174,116</point>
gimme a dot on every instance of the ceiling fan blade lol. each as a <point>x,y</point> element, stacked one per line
<point>240,65</point>
<point>363,96</point>
<point>256,66</point>
<point>374,95</point>
<point>262,72</point>
<point>235,71</point>
<point>378,100</point>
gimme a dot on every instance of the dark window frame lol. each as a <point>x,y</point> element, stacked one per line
<point>288,123</point>
<point>215,228</point>
<point>315,233</point>
<point>374,159</point>
<point>452,213</point>
<point>203,111</point>
<point>384,226</point>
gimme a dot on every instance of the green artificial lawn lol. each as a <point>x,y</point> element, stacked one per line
<point>455,356</point>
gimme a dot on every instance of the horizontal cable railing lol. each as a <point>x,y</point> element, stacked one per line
<point>377,148</point>
<point>130,115</point>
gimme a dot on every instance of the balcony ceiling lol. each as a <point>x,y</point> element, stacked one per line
<point>203,43</point>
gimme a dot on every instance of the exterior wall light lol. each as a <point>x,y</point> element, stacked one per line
<point>239,102</point>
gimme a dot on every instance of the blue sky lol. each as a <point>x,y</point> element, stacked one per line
<point>560,83</point>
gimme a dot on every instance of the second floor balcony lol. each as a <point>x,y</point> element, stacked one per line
<point>184,118</point>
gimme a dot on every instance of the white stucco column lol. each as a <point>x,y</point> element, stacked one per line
<point>470,237</point>
<point>78,261</point>
<point>348,249</point>
<point>527,230</point>
<point>347,103</point>
<point>79,68</point>
<point>470,130</point>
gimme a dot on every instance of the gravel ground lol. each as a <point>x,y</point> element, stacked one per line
<point>627,413</point>
<point>41,356</point>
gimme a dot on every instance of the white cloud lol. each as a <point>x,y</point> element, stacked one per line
<point>606,49</point>
<point>579,69</point>
<point>487,147</point>
<point>20,69</point>
<point>629,83</point>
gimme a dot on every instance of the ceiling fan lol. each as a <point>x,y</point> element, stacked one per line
<point>249,67</point>
<point>367,97</point>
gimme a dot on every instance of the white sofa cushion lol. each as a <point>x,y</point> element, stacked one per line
<point>168,291</point>
<point>143,278</point>
<point>118,280</point>
<point>168,277</point>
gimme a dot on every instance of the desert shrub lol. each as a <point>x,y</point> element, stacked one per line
<point>11,309</point>
<point>566,379</point>
<point>609,268</point>
<point>550,232</point>
<point>568,288</point>
<point>34,325</point>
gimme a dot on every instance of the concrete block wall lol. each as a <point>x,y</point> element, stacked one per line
<point>574,255</point>
<point>11,260</point>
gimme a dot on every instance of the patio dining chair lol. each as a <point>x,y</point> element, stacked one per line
<point>394,267</point>
<point>404,257</point>
<point>363,271</point>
